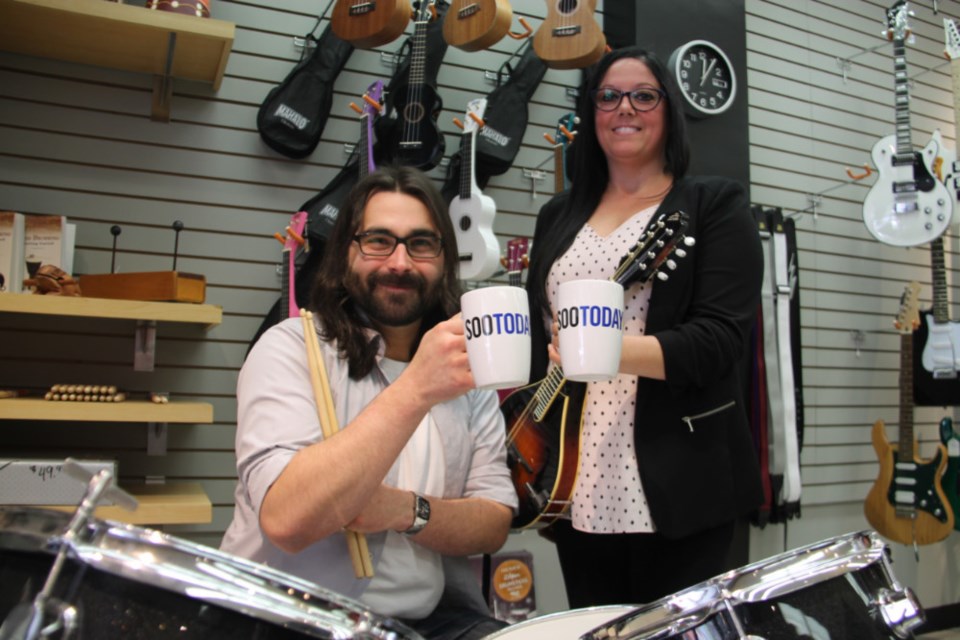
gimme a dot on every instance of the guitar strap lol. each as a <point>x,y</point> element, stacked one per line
<point>759,410</point>
<point>785,404</point>
<point>771,356</point>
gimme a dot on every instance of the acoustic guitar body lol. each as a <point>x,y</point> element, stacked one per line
<point>366,24</point>
<point>473,25</point>
<point>569,37</point>
<point>932,520</point>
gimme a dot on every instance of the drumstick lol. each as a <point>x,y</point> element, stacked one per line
<point>356,542</point>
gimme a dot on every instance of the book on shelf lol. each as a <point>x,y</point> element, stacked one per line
<point>11,251</point>
<point>46,240</point>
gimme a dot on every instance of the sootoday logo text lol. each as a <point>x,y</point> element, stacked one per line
<point>494,324</point>
<point>590,315</point>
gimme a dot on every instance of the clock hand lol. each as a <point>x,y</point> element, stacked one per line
<point>706,72</point>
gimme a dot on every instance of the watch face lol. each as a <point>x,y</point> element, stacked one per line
<point>705,76</point>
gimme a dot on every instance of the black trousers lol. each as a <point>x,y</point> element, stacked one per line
<point>636,568</point>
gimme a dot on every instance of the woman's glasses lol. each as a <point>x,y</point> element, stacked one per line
<point>608,98</point>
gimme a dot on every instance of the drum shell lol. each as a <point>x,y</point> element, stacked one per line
<point>199,8</point>
<point>129,582</point>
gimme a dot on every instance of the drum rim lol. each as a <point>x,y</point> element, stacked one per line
<point>689,607</point>
<point>159,559</point>
<point>618,611</point>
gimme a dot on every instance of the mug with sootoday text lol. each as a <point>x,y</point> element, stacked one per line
<point>496,321</point>
<point>590,318</point>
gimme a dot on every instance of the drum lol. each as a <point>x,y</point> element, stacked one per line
<point>558,626</point>
<point>838,589</point>
<point>199,8</point>
<point>122,581</point>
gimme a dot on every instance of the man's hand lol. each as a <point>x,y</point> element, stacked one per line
<point>440,366</point>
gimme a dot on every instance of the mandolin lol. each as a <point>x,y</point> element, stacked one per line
<point>472,212</point>
<point>473,25</point>
<point>906,502</point>
<point>370,23</point>
<point>569,37</point>
<point>415,138</point>
<point>544,419</point>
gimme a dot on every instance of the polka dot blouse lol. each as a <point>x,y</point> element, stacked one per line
<point>608,497</point>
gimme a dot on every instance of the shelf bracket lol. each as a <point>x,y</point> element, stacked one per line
<point>145,345</point>
<point>157,438</point>
<point>163,85</point>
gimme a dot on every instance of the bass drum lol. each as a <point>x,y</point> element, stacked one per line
<point>122,581</point>
<point>558,626</point>
<point>838,589</point>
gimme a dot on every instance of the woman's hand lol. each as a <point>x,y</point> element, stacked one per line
<point>553,349</point>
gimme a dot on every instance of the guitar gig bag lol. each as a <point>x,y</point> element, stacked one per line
<point>294,113</point>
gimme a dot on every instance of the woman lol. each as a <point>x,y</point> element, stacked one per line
<point>667,463</point>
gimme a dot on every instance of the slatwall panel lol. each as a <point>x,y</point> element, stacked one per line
<point>808,124</point>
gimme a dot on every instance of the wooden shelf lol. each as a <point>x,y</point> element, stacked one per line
<point>206,314</point>
<point>119,36</point>
<point>126,411</point>
<point>159,504</point>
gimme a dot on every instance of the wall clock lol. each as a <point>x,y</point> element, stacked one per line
<point>706,78</point>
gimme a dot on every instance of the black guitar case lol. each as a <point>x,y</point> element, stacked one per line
<point>294,113</point>
<point>505,120</point>
<point>388,124</point>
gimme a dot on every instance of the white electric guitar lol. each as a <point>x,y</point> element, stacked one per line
<point>907,206</point>
<point>472,212</point>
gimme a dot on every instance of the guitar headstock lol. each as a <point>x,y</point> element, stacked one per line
<point>473,119</point>
<point>951,37</point>
<point>373,99</point>
<point>908,317</point>
<point>662,239</point>
<point>566,129</point>
<point>897,25</point>
<point>293,238</point>
<point>516,260</point>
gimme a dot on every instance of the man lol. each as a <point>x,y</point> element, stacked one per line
<point>419,464</point>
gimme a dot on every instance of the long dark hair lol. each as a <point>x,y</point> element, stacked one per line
<point>340,319</point>
<point>588,168</point>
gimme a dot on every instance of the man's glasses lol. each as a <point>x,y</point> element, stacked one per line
<point>380,244</point>
<point>608,98</point>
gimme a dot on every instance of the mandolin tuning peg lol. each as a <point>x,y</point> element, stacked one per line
<point>680,253</point>
<point>663,277</point>
<point>672,265</point>
<point>688,241</point>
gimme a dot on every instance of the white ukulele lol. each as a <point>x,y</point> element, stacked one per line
<point>472,212</point>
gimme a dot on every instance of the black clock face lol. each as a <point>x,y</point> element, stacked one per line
<point>705,76</point>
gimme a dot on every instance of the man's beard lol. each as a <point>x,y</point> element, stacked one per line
<point>393,309</point>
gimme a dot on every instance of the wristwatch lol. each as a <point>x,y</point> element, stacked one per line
<point>421,515</point>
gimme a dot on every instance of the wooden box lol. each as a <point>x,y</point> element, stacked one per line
<point>157,286</point>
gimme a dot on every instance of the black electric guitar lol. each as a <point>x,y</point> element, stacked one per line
<point>544,419</point>
<point>906,502</point>
<point>417,140</point>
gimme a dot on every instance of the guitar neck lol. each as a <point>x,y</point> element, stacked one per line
<point>559,183</point>
<point>467,180</point>
<point>902,92</point>
<point>906,398</point>
<point>366,148</point>
<point>941,312</point>
<point>287,284</point>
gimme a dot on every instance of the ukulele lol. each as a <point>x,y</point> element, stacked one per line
<point>473,25</point>
<point>471,211</point>
<point>906,502</point>
<point>370,23</point>
<point>951,477</point>
<point>544,419</point>
<point>561,140</point>
<point>292,240</point>
<point>417,141</point>
<point>569,37</point>
<point>371,107</point>
<point>907,205</point>
<point>516,261</point>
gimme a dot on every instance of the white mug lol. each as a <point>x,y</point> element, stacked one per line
<point>496,321</point>
<point>590,317</point>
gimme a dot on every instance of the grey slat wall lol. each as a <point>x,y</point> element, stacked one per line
<point>78,141</point>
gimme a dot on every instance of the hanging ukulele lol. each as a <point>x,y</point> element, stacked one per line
<point>471,211</point>
<point>561,141</point>
<point>473,25</point>
<point>906,502</point>
<point>416,140</point>
<point>371,107</point>
<point>569,37</point>
<point>907,206</point>
<point>370,23</point>
<point>516,261</point>
<point>291,241</point>
<point>544,419</point>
